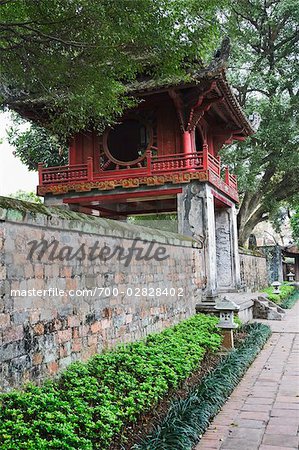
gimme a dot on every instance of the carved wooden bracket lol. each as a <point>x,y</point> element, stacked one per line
<point>235,137</point>
<point>190,113</point>
<point>197,113</point>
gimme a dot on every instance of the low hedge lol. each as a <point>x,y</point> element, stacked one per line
<point>286,290</point>
<point>290,301</point>
<point>187,419</point>
<point>91,402</point>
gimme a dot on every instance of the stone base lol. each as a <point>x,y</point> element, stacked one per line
<point>206,308</point>
<point>210,296</point>
<point>232,290</point>
<point>244,300</point>
<point>209,308</point>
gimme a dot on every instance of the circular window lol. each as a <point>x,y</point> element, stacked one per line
<point>128,141</point>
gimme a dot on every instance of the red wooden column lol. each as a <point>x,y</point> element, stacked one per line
<point>90,168</point>
<point>186,143</point>
<point>187,148</point>
<point>226,175</point>
<point>149,162</point>
<point>205,157</point>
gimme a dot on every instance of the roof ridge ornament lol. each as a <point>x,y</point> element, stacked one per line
<point>223,52</point>
<point>220,57</point>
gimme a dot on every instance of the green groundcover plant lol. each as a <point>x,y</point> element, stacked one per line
<point>289,302</point>
<point>91,402</point>
<point>286,291</point>
<point>188,418</point>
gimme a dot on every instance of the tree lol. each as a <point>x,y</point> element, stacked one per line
<point>294,218</point>
<point>35,144</point>
<point>295,225</point>
<point>26,196</point>
<point>70,60</point>
<point>265,73</point>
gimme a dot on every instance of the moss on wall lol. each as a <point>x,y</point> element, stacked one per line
<point>22,206</point>
<point>18,210</point>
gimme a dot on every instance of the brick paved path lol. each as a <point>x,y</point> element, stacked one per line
<point>263,411</point>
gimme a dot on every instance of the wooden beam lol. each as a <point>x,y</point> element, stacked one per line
<point>144,208</point>
<point>152,211</point>
<point>239,138</point>
<point>222,199</point>
<point>179,106</point>
<point>122,196</point>
<point>234,137</point>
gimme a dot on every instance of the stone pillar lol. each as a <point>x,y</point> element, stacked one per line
<point>274,263</point>
<point>227,252</point>
<point>224,249</point>
<point>235,248</point>
<point>216,232</point>
<point>51,200</point>
<point>280,272</point>
<point>196,218</point>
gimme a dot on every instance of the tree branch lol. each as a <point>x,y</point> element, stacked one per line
<point>253,220</point>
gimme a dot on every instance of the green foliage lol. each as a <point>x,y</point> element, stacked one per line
<point>152,217</point>
<point>166,222</point>
<point>290,301</point>
<point>90,403</point>
<point>265,72</point>
<point>295,225</point>
<point>26,196</point>
<point>286,290</point>
<point>76,56</point>
<point>238,321</point>
<point>272,152</point>
<point>187,419</point>
<point>36,144</point>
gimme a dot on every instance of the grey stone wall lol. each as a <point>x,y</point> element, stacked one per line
<point>254,273</point>
<point>42,334</point>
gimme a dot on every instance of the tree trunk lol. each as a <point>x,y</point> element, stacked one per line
<point>250,214</point>
<point>254,209</point>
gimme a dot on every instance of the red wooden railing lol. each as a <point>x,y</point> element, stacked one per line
<point>230,179</point>
<point>151,165</point>
<point>214,164</point>
<point>211,162</point>
<point>64,174</point>
<point>176,162</point>
<point>109,164</point>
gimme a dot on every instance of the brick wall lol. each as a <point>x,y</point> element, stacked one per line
<point>40,335</point>
<point>254,273</point>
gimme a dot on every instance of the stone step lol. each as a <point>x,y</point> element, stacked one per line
<point>266,309</point>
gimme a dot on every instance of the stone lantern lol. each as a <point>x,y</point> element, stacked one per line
<point>291,277</point>
<point>226,309</point>
<point>275,286</point>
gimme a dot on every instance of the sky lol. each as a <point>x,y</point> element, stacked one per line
<point>13,174</point>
